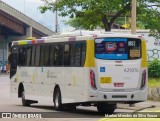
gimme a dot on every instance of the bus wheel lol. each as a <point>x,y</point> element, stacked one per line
<point>106,108</point>
<point>24,101</point>
<point>57,100</point>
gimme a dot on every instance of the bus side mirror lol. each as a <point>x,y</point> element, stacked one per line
<point>10,58</point>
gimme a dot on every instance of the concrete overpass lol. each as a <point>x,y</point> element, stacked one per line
<point>15,25</point>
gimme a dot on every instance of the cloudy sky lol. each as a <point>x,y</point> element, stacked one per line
<point>30,8</point>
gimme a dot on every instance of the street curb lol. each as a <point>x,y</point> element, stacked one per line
<point>126,106</point>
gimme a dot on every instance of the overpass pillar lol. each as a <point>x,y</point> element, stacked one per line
<point>29,31</point>
<point>2,53</point>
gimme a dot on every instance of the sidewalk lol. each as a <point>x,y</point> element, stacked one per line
<point>4,73</point>
<point>140,106</point>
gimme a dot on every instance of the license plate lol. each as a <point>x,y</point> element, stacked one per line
<point>118,84</point>
<point>106,80</point>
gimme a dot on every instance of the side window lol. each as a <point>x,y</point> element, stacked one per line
<point>22,56</point>
<point>83,53</point>
<point>37,60</point>
<point>56,49</point>
<point>72,50</point>
<point>14,61</point>
<point>42,55</point>
<point>77,54</point>
<point>33,56</point>
<point>20,52</point>
<point>61,55</point>
<point>52,53</point>
<point>29,54</point>
<point>14,58</point>
<point>66,55</point>
<point>58,60</point>
<point>46,55</point>
<point>13,64</point>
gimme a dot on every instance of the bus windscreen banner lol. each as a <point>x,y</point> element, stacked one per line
<point>111,48</point>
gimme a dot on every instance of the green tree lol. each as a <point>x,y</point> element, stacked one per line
<point>154,69</point>
<point>149,16</point>
<point>89,14</point>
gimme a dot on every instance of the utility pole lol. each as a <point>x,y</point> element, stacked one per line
<point>24,6</point>
<point>133,17</point>
<point>133,25</point>
<point>56,20</point>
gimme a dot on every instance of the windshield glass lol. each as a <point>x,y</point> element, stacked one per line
<point>117,48</point>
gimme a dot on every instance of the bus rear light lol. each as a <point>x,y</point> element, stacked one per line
<point>92,80</point>
<point>143,79</point>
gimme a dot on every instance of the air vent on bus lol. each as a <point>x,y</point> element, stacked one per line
<point>119,96</point>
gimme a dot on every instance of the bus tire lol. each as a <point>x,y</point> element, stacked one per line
<point>57,100</point>
<point>106,108</point>
<point>24,101</point>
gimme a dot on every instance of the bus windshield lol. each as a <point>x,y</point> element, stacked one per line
<point>118,48</point>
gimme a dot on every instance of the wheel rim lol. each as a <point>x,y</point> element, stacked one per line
<point>57,100</point>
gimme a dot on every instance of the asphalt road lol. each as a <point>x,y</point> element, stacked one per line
<point>9,104</point>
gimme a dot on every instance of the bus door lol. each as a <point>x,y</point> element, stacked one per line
<point>119,63</point>
<point>13,59</point>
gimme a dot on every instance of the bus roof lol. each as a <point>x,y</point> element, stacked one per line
<point>74,36</point>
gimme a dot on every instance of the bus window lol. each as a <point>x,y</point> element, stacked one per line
<point>77,54</point>
<point>58,60</point>
<point>29,54</point>
<point>33,56</point>
<point>52,55</point>
<point>72,48</point>
<point>13,64</point>
<point>22,56</point>
<point>56,49</point>
<point>37,56</point>
<point>46,55</point>
<point>66,55</point>
<point>134,48</point>
<point>42,55</point>
<point>117,48</point>
<point>61,55</point>
<point>13,59</point>
<point>83,53</point>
